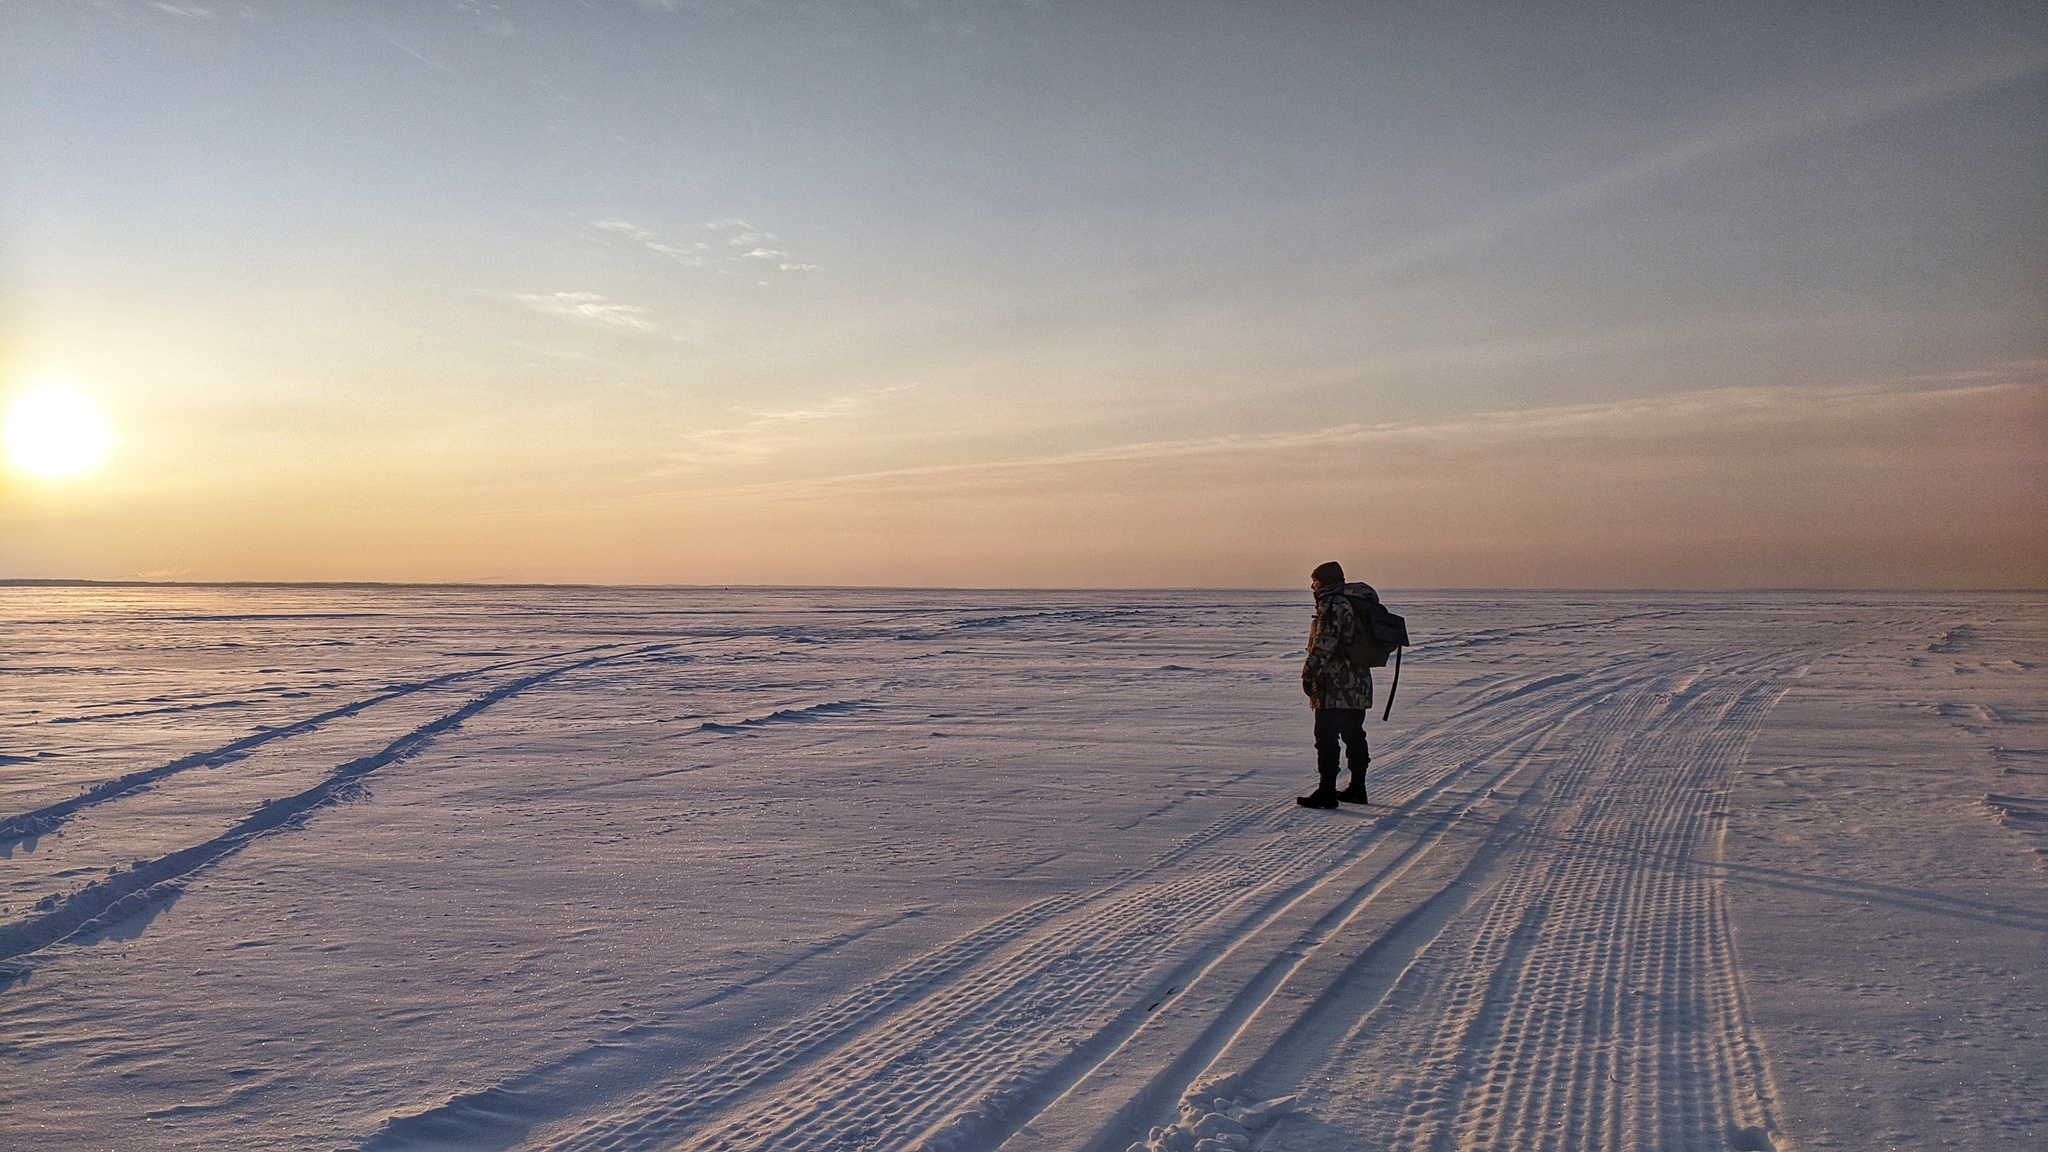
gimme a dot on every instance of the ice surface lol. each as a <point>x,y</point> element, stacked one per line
<point>751,869</point>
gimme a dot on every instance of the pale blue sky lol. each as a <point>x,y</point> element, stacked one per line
<point>514,262</point>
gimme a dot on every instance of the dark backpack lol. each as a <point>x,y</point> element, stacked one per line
<point>1381,636</point>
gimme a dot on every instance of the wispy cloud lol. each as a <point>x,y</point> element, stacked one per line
<point>694,254</point>
<point>768,431</point>
<point>395,42</point>
<point>729,244</point>
<point>748,243</point>
<point>189,12</point>
<point>2011,372</point>
<point>589,308</point>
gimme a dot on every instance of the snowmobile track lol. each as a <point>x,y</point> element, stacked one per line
<point>107,901</point>
<point>1595,1003</point>
<point>50,817</point>
<point>962,1053</point>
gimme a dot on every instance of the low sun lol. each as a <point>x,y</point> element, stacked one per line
<point>53,431</point>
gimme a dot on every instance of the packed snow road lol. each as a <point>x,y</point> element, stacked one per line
<point>756,869</point>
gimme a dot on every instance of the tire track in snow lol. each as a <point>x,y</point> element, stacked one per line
<point>1493,990</point>
<point>104,902</point>
<point>1596,1004</point>
<point>1330,977</point>
<point>1665,940</point>
<point>50,817</point>
<point>1246,971</point>
<point>917,1051</point>
<point>1553,994</point>
<point>1330,885</point>
<point>948,1064</point>
<point>790,1047</point>
<point>1522,1020</point>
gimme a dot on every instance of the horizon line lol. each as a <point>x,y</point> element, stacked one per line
<point>82,582</point>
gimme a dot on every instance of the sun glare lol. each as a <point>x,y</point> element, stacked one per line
<point>53,431</point>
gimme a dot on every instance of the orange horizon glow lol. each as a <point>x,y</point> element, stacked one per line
<point>1870,489</point>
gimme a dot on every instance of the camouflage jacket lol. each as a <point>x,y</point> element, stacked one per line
<point>1331,680</point>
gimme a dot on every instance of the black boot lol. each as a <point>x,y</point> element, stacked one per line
<point>1325,795</point>
<point>1355,794</point>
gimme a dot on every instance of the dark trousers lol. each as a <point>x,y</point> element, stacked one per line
<point>1348,725</point>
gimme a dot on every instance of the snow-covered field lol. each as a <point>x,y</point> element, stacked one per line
<point>751,869</point>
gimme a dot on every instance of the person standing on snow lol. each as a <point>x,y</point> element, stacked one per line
<point>1339,690</point>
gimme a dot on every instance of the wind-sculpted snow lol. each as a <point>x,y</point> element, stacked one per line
<point>803,715</point>
<point>782,869</point>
